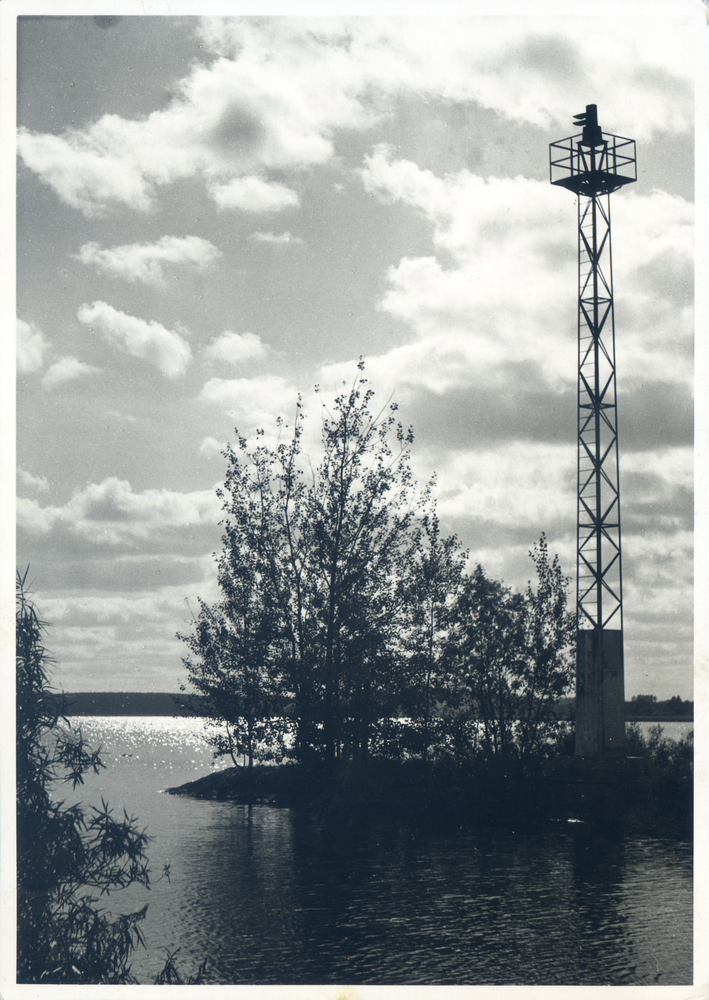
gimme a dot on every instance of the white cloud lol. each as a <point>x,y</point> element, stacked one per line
<point>146,261</point>
<point>85,172</point>
<point>253,402</point>
<point>66,370</point>
<point>236,348</point>
<point>273,238</point>
<point>31,346</point>
<point>494,485</point>
<point>506,248</point>
<point>211,447</point>
<point>525,68</point>
<point>281,88</point>
<point>252,194</point>
<point>25,478</point>
<point>112,513</point>
<point>143,339</point>
<point>676,465</point>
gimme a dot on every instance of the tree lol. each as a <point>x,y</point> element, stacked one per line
<point>323,549</point>
<point>487,653</point>
<point>63,853</point>
<point>548,666</point>
<point>431,586</point>
<point>511,657</point>
<point>234,669</point>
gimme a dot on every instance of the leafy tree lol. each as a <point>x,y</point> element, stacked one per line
<point>234,667</point>
<point>547,669</point>
<point>511,657</point>
<point>323,550</point>
<point>362,507</point>
<point>65,854</point>
<point>487,653</point>
<point>430,586</point>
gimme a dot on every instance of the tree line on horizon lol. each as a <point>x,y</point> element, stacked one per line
<point>348,626</point>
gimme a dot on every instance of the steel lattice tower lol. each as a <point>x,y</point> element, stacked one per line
<point>593,165</point>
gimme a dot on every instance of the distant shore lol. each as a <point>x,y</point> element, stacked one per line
<point>143,703</point>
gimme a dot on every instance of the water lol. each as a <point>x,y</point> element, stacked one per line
<point>274,898</point>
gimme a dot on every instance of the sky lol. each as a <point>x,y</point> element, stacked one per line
<point>215,214</point>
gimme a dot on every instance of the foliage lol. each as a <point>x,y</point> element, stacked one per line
<point>348,625</point>
<point>170,974</point>
<point>548,666</point>
<point>309,577</point>
<point>511,658</point>
<point>430,587</point>
<point>664,786</point>
<point>233,672</point>
<point>65,854</point>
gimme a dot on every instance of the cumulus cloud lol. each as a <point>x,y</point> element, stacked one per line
<point>252,194</point>
<point>25,478</point>
<point>146,261</point>
<point>278,89</point>
<point>87,171</point>
<point>490,297</point>
<point>211,447</point>
<point>31,347</point>
<point>253,402</point>
<point>111,513</point>
<point>141,338</point>
<point>66,370</point>
<point>236,348</point>
<point>492,484</point>
<point>275,238</point>
<point>522,68</point>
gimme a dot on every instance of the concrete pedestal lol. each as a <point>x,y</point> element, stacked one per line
<point>600,693</point>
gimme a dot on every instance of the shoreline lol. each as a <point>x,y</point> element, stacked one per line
<point>621,795</point>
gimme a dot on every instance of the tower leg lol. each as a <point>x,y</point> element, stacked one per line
<point>600,692</point>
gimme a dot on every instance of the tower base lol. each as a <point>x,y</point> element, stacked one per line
<point>600,693</point>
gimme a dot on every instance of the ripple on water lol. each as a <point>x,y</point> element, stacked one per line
<point>274,898</point>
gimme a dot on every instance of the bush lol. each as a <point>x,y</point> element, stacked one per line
<point>66,854</point>
<point>667,786</point>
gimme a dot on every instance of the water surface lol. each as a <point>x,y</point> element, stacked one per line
<point>273,896</point>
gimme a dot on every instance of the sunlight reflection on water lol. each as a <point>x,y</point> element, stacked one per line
<point>274,897</point>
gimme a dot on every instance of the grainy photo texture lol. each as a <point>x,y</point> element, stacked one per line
<point>346,347</point>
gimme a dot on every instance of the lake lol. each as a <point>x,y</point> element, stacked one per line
<point>275,898</point>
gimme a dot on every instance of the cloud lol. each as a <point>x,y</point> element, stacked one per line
<point>251,194</point>
<point>140,338</point>
<point>66,370</point>
<point>87,172</point>
<point>279,89</point>
<point>112,514</point>
<point>491,484</point>
<point>273,238</point>
<point>236,348</point>
<point>126,613</point>
<point>255,403</point>
<point>486,311</point>
<point>25,478</point>
<point>31,347</point>
<point>522,68</point>
<point>146,261</point>
<point>211,447</point>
